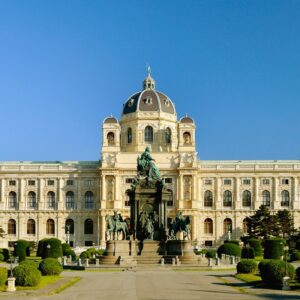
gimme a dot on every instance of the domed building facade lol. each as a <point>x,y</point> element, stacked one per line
<point>70,200</point>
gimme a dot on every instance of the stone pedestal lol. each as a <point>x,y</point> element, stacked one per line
<point>11,284</point>
<point>115,250</point>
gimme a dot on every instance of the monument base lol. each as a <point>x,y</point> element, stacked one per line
<point>115,251</point>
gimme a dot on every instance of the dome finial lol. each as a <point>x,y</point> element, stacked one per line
<point>149,82</point>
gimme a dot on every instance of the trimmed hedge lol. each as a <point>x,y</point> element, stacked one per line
<point>20,248</point>
<point>27,275</point>
<point>5,253</point>
<point>55,249</point>
<point>273,249</point>
<point>211,253</point>
<point>30,263</point>
<point>256,245</point>
<point>236,242</point>
<point>3,276</point>
<point>298,274</point>
<point>246,266</point>
<point>229,249</point>
<point>67,251</point>
<point>247,252</point>
<point>295,255</point>
<point>40,247</point>
<point>272,272</point>
<point>50,266</point>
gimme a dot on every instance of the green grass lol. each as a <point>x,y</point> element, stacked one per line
<point>44,282</point>
<point>258,258</point>
<point>200,269</point>
<point>66,285</point>
<point>252,279</point>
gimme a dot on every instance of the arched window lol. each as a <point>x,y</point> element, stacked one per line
<point>88,226</point>
<point>31,200</point>
<point>246,198</point>
<point>285,198</point>
<point>30,226</point>
<point>70,200</point>
<point>69,226</point>
<point>129,135</point>
<point>208,199</point>
<point>149,135</point>
<point>12,200</point>
<point>50,226</point>
<point>266,198</point>
<point>51,199</point>
<point>246,226</point>
<point>89,200</point>
<point>110,138</point>
<point>208,226</point>
<point>227,199</point>
<point>227,226</point>
<point>11,227</point>
<point>186,138</point>
<point>168,135</point>
<point>170,202</point>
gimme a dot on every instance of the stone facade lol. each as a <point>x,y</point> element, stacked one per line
<point>38,200</point>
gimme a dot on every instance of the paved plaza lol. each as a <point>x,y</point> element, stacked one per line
<point>158,285</point>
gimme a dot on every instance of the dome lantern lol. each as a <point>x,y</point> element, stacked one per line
<point>149,82</point>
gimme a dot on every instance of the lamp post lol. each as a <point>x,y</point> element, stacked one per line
<point>286,278</point>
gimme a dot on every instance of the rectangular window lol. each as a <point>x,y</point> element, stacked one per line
<point>70,182</point>
<point>285,181</point>
<point>227,181</point>
<point>12,182</point>
<point>247,181</point>
<point>168,180</point>
<point>208,243</point>
<point>208,181</point>
<point>127,203</point>
<point>266,181</point>
<point>129,180</point>
<point>31,182</point>
<point>88,243</point>
<point>50,182</point>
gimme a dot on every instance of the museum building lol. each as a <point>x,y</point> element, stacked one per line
<point>70,200</point>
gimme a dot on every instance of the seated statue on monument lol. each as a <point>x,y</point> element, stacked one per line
<point>147,169</point>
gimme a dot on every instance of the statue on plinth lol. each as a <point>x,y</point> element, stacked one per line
<point>114,226</point>
<point>180,224</point>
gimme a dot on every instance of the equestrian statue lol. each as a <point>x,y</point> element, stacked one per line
<point>114,226</point>
<point>180,224</point>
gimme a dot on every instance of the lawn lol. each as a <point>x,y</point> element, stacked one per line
<point>252,279</point>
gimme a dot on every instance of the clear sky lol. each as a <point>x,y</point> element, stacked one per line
<point>234,66</point>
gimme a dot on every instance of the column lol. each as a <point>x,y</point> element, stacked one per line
<point>237,199</point>
<point>103,195</point>
<point>219,196</point>
<point>195,203</point>
<point>275,196</point>
<point>41,202</point>
<point>194,228</point>
<point>60,195</point>
<point>256,199</point>
<point>2,194</point>
<point>21,195</point>
<point>294,196</point>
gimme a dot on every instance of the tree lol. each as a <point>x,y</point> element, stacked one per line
<point>286,223</point>
<point>263,224</point>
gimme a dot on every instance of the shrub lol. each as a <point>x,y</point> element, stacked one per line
<point>211,253</point>
<point>273,249</point>
<point>256,245</point>
<point>67,251</point>
<point>50,266</point>
<point>272,272</point>
<point>298,244</point>
<point>236,242</point>
<point>84,255</point>
<point>1,257</point>
<point>52,248</point>
<point>247,252</point>
<point>30,263</point>
<point>5,253</point>
<point>3,276</point>
<point>20,249</point>
<point>295,255</point>
<point>298,274</point>
<point>40,247</point>
<point>246,266</point>
<point>27,275</point>
<point>100,252</point>
<point>229,249</point>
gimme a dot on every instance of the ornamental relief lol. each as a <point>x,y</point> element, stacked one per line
<point>109,160</point>
<point>187,159</point>
<point>110,188</point>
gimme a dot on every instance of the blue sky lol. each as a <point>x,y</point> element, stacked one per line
<point>234,66</point>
